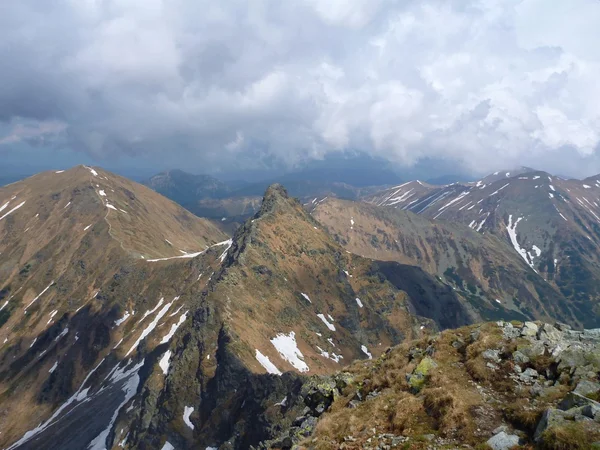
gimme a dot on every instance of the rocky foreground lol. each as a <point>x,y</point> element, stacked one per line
<point>496,385</point>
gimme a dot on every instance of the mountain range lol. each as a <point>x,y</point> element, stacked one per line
<point>129,322</point>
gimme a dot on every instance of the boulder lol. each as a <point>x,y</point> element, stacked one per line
<point>574,400</point>
<point>529,329</point>
<point>536,348</point>
<point>529,375</point>
<point>503,441</point>
<point>551,417</point>
<point>492,355</point>
<point>520,358</point>
<point>550,334</point>
<point>417,378</point>
<point>587,387</point>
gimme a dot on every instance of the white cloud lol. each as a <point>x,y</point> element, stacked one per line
<point>485,82</point>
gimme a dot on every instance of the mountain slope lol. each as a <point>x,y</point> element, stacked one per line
<point>75,251</point>
<point>485,272</point>
<point>552,223</point>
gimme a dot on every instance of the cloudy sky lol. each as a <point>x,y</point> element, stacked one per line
<point>212,84</point>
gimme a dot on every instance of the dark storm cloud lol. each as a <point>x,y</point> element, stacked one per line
<point>484,82</point>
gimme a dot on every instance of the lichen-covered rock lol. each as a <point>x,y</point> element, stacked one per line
<point>417,379</point>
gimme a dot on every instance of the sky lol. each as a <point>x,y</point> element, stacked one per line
<point>236,84</point>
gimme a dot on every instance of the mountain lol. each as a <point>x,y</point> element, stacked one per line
<point>551,222</point>
<point>489,278</point>
<point>127,320</point>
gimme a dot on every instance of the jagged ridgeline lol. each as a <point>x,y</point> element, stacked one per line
<point>128,322</point>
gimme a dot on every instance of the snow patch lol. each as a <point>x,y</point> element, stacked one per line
<point>174,327</point>
<point>53,368</point>
<point>329,325</point>
<point>39,295</point>
<point>306,297</point>
<point>358,302</point>
<point>12,210</point>
<point>150,327</point>
<point>366,351</point>
<point>288,349</point>
<point>187,412</point>
<point>122,319</point>
<point>266,363</point>
<point>165,361</point>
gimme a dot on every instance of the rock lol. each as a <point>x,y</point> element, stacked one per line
<point>573,357</point>
<point>550,334</point>
<point>475,335</point>
<point>591,411</point>
<point>574,400</point>
<point>587,388</point>
<point>529,329</point>
<point>562,326</point>
<point>500,429</point>
<point>529,375</point>
<point>591,335</point>
<point>458,344</point>
<point>551,417</point>
<point>510,332</point>
<point>492,355</point>
<point>536,348</point>
<point>503,441</point>
<point>319,392</point>
<point>520,358</point>
<point>416,380</point>
<point>536,390</point>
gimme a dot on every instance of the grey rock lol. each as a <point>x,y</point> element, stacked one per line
<point>573,357</point>
<point>528,375</point>
<point>548,333</point>
<point>586,387</point>
<point>529,329</point>
<point>536,348</point>
<point>510,332</point>
<point>536,390</point>
<point>591,411</point>
<point>492,355</point>
<point>562,326</point>
<point>520,358</point>
<point>551,417</point>
<point>591,335</point>
<point>574,400</point>
<point>503,441</point>
<point>500,429</point>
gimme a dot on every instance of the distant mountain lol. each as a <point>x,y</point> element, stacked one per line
<point>186,188</point>
<point>490,280</point>
<point>552,223</point>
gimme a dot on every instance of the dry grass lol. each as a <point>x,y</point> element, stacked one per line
<point>575,436</point>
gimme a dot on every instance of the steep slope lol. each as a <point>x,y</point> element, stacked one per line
<point>552,223</point>
<point>76,250</point>
<point>483,269</point>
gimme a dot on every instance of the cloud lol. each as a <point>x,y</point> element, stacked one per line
<point>486,83</point>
